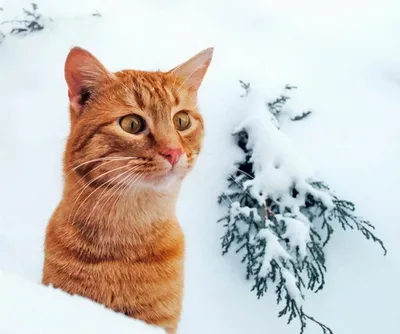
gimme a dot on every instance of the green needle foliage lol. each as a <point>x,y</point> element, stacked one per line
<point>281,239</point>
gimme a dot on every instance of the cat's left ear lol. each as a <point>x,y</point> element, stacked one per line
<point>83,71</point>
<point>192,71</point>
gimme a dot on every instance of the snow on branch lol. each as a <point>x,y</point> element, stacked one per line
<point>29,308</point>
<point>279,216</point>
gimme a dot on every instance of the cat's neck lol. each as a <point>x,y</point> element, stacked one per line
<point>116,211</point>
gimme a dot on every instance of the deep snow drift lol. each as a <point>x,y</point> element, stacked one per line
<point>345,59</point>
<point>59,312</point>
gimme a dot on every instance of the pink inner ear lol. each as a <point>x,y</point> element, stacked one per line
<point>194,70</point>
<point>74,79</point>
<point>74,101</point>
<point>82,70</point>
<point>71,95</point>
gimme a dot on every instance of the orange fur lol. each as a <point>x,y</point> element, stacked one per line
<point>114,237</point>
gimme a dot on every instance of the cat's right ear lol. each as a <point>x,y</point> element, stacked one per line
<point>82,72</point>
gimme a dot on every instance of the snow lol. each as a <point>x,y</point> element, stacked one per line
<point>290,284</point>
<point>58,312</point>
<point>273,250</point>
<point>244,211</point>
<point>345,58</point>
<point>277,163</point>
<point>297,232</point>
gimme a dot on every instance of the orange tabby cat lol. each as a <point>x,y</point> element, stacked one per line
<point>114,237</point>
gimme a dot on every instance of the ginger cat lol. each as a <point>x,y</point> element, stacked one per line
<point>114,237</point>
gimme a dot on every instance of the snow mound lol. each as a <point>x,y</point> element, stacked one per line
<point>36,309</point>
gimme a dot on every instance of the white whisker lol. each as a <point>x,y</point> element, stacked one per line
<point>240,186</point>
<point>244,173</point>
<point>226,201</point>
<point>88,184</point>
<point>108,190</point>
<point>104,158</point>
<point>129,184</point>
<point>97,167</point>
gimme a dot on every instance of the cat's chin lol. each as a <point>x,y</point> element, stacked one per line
<point>167,181</point>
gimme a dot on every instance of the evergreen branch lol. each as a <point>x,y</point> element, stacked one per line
<point>343,213</point>
<point>260,233</point>
<point>30,24</point>
<point>305,317</point>
<point>302,116</point>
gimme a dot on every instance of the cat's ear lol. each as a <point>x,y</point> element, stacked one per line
<point>193,70</point>
<point>82,72</point>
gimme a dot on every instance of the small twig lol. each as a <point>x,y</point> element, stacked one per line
<point>302,116</point>
<point>246,87</point>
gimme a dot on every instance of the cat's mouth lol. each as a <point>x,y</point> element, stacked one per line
<point>161,181</point>
<point>171,171</point>
<point>154,174</point>
<point>166,176</point>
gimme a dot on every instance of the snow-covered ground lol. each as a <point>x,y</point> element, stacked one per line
<point>345,58</point>
<point>57,312</point>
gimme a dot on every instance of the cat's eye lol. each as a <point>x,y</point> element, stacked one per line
<point>133,124</point>
<point>182,121</point>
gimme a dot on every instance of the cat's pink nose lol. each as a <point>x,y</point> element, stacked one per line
<point>172,154</point>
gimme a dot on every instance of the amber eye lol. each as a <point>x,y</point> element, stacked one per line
<point>182,121</point>
<point>132,124</point>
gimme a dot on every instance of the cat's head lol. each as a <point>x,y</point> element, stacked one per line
<point>133,128</point>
